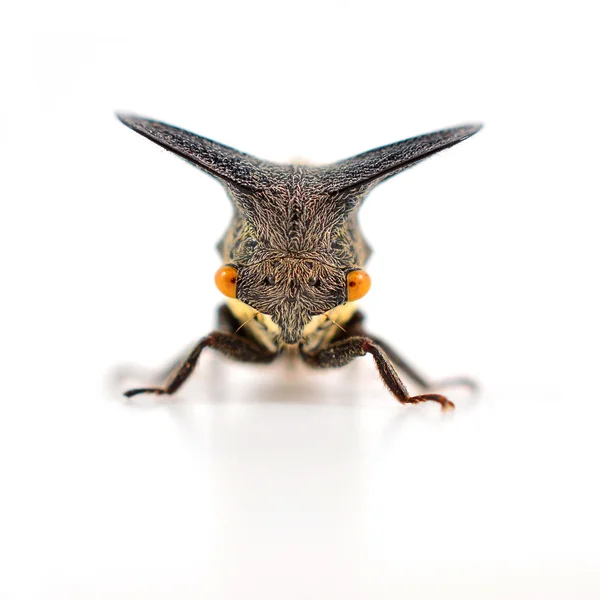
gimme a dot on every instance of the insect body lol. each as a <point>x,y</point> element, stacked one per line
<point>294,256</point>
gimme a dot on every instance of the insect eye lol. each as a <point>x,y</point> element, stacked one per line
<point>358,284</point>
<point>226,280</point>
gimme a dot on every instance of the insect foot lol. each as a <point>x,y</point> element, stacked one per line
<point>446,404</point>
<point>135,392</point>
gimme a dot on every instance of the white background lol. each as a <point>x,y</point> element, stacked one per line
<point>278,482</point>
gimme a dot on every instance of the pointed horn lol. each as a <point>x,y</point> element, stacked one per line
<point>376,165</point>
<point>222,162</point>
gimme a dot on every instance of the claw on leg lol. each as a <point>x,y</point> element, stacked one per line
<point>446,404</point>
<point>135,392</point>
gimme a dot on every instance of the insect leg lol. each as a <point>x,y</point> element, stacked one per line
<point>233,346</point>
<point>355,327</point>
<point>226,322</point>
<point>342,352</point>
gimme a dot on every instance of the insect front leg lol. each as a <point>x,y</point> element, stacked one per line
<point>343,351</point>
<point>236,347</point>
<point>355,327</point>
<point>226,323</point>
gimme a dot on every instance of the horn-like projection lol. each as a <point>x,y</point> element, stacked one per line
<point>224,163</point>
<point>376,165</point>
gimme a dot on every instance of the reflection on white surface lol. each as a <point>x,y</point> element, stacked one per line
<point>291,461</point>
<point>270,483</point>
<point>277,482</point>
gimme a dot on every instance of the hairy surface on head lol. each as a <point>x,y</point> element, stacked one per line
<point>293,244</point>
<point>294,235</point>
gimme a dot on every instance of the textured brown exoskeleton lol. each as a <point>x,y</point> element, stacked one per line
<point>293,254</point>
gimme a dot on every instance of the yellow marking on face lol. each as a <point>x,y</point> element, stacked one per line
<point>261,326</point>
<point>317,332</point>
<point>321,329</point>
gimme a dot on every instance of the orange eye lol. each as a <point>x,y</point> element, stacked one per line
<point>226,280</point>
<point>359,283</point>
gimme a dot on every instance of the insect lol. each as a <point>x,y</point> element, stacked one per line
<point>294,255</point>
